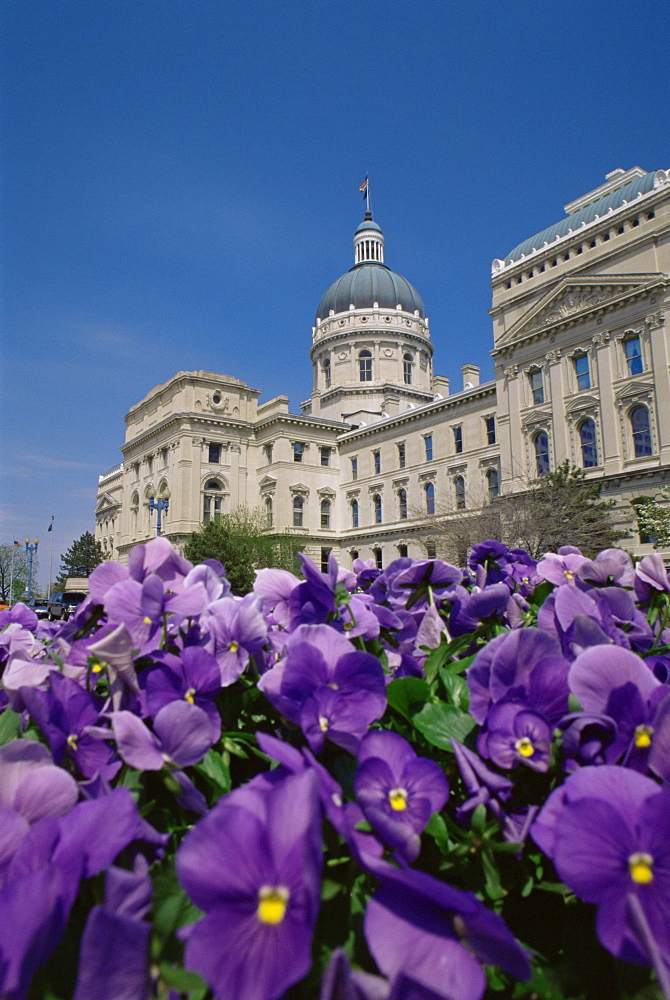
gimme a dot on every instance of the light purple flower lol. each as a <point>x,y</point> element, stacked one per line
<point>514,735</point>
<point>236,634</point>
<point>561,569</point>
<point>182,736</point>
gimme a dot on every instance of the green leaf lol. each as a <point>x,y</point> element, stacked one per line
<point>215,767</point>
<point>407,695</point>
<point>456,688</point>
<point>9,725</point>
<point>493,885</point>
<point>441,723</point>
<point>183,980</point>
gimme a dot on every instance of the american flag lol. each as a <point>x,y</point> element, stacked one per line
<point>364,186</point>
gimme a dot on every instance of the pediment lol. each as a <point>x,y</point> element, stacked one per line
<point>584,402</point>
<point>267,482</point>
<point>106,502</point>
<point>536,417</point>
<point>575,298</point>
<point>638,387</point>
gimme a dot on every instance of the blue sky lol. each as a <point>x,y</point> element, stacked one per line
<point>180,185</point>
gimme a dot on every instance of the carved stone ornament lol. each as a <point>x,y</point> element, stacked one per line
<point>552,357</point>
<point>342,355</point>
<point>512,371</point>
<point>655,320</point>
<point>572,301</point>
<point>388,352</point>
<point>600,339</point>
<point>216,401</point>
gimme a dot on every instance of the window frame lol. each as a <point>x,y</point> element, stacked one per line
<point>429,492</point>
<point>588,462</point>
<point>378,509</point>
<point>641,437</point>
<point>298,508</point>
<point>457,432</point>
<point>634,362</point>
<point>428,447</point>
<point>542,458</point>
<point>583,377</point>
<point>325,513</point>
<point>365,366</point>
<point>459,492</point>
<point>490,430</point>
<point>536,383</point>
<point>407,362</point>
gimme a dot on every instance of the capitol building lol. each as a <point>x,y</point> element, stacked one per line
<point>383,445</point>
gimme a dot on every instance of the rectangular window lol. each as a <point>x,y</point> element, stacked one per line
<point>458,440</point>
<point>267,451</point>
<point>377,554</point>
<point>401,455</point>
<point>490,430</point>
<point>537,387</point>
<point>325,557</point>
<point>633,356</point>
<point>354,468</point>
<point>298,451</point>
<point>428,445</point>
<point>402,551</point>
<point>377,459</point>
<point>582,372</point>
<point>325,456</point>
<point>164,456</point>
<point>215,453</point>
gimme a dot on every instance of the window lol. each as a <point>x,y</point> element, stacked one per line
<point>537,386</point>
<point>325,559</point>
<point>431,550</point>
<point>377,504</point>
<point>298,451</point>
<point>493,483</point>
<point>458,439</point>
<point>402,551</point>
<point>269,517</point>
<point>430,498</point>
<point>402,504</point>
<point>298,510</point>
<point>587,437</point>
<point>325,456</point>
<point>633,355</point>
<point>377,461</point>
<point>407,368</point>
<point>353,555</point>
<point>377,555</point>
<point>211,507</point>
<point>401,455</point>
<point>541,443</point>
<point>354,468</point>
<point>365,366</point>
<point>639,422</point>
<point>354,513</point>
<point>325,513</point>
<point>639,504</point>
<point>326,374</point>
<point>582,372</point>
<point>428,445</point>
<point>267,451</point>
<point>459,490</point>
<point>490,424</point>
<point>164,456</point>
<point>215,453</point>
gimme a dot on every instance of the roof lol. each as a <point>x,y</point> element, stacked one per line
<point>366,284</point>
<point>368,224</point>
<point>615,199</point>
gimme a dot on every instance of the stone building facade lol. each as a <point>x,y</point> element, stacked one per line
<point>581,352</point>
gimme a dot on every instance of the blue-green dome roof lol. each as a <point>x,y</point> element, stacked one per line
<point>629,191</point>
<point>368,224</point>
<point>366,284</point>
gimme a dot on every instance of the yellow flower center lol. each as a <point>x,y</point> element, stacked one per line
<point>640,867</point>
<point>348,626</point>
<point>524,747</point>
<point>272,903</point>
<point>233,647</point>
<point>568,575</point>
<point>72,741</point>
<point>190,696</point>
<point>643,735</point>
<point>96,667</point>
<point>323,723</point>
<point>147,620</point>
<point>398,799</point>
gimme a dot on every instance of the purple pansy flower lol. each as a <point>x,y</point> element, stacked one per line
<point>237,632</point>
<point>182,736</point>
<point>514,735</point>
<point>192,676</point>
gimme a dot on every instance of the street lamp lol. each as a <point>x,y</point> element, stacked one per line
<point>31,550</point>
<point>159,506</point>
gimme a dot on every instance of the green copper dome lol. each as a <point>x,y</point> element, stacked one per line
<point>366,284</point>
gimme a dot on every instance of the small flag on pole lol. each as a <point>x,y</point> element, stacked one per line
<point>364,187</point>
<point>51,527</point>
<point>17,544</point>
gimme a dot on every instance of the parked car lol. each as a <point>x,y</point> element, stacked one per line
<point>62,603</point>
<point>39,605</point>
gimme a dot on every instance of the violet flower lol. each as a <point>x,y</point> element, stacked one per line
<point>192,676</point>
<point>514,735</point>
<point>255,871</point>
<point>182,736</point>
<point>237,632</point>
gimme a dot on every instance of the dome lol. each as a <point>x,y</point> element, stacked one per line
<point>368,224</point>
<point>366,284</point>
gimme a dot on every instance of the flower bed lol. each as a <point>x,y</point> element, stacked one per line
<point>416,783</point>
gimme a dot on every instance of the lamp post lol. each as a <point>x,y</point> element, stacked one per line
<point>160,505</point>
<point>31,550</point>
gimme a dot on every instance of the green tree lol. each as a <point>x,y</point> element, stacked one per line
<point>241,542</point>
<point>81,558</point>
<point>653,517</point>
<point>14,573</point>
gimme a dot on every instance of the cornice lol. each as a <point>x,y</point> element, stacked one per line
<point>372,333</point>
<point>180,418</point>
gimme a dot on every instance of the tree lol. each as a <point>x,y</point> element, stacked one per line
<point>81,558</point>
<point>14,564</point>
<point>653,517</point>
<point>240,541</point>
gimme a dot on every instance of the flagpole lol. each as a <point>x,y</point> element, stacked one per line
<point>367,194</point>
<point>11,576</point>
<point>51,553</point>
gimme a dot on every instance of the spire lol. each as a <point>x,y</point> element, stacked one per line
<point>368,242</point>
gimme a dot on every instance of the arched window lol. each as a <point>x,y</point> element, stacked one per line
<point>407,368</point>
<point>325,513</point>
<point>639,422</point>
<point>326,373</point>
<point>365,366</point>
<point>402,504</point>
<point>377,504</point>
<point>354,513</point>
<point>587,437</point>
<point>459,489</point>
<point>541,443</point>
<point>269,516</point>
<point>430,498</point>
<point>212,501</point>
<point>493,483</point>
<point>298,509</point>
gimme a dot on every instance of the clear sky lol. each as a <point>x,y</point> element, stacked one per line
<point>180,185</point>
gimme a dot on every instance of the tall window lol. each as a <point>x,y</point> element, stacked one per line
<point>639,422</point>
<point>365,366</point>
<point>269,517</point>
<point>431,550</point>
<point>587,437</point>
<point>537,386</point>
<point>402,551</point>
<point>582,372</point>
<point>459,490</point>
<point>430,498</point>
<point>458,439</point>
<point>326,374</point>
<point>215,453</point>
<point>401,455</point>
<point>377,461</point>
<point>267,452</point>
<point>354,513</point>
<point>377,505</point>
<point>211,506</point>
<point>325,559</point>
<point>354,468</point>
<point>325,456</point>
<point>298,451</point>
<point>298,510</point>
<point>633,355</point>
<point>377,554</point>
<point>493,483</point>
<point>428,445</point>
<point>402,504</point>
<point>407,368</point>
<point>325,513</point>
<point>490,424</point>
<point>541,443</point>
